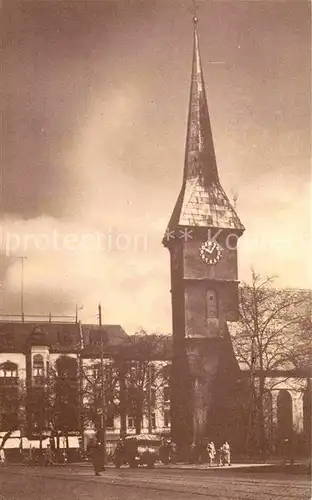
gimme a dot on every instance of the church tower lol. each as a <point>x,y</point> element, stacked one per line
<point>202,237</point>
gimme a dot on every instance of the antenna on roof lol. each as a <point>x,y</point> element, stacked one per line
<point>195,18</point>
<point>100,314</point>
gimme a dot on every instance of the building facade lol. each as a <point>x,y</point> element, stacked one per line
<point>51,379</point>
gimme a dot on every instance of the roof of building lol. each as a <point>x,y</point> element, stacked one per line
<point>202,201</point>
<point>85,338</point>
<point>128,346</point>
<point>17,336</point>
<point>60,337</point>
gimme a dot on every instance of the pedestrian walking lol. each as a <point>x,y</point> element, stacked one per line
<point>211,451</point>
<point>48,457</point>
<point>288,451</point>
<point>96,455</point>
<point>2,457</point>
<point>164,451</point>
<point>224,454</point>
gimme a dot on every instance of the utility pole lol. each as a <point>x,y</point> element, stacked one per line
<point>149,398</point>
<point>100,314</point>
<point>76,315</point>
<point>122,396</point>
<point>103,402</point>
<point>22,258</point>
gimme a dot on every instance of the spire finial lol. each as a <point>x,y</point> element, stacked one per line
<point>195,18</point>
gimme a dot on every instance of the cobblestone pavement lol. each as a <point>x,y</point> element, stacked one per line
<point>74,483</point>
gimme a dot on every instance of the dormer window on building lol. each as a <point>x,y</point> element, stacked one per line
<point>64,338</point>
<point>7,340</point>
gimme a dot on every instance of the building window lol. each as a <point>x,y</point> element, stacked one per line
<point>212,306</point>
<point>153,420</point>
<point>64,338</point>
<point>8,369</point>
<point>153,398</point>
<point>166,418</point>
<point>38,366</point>
<point>284,415</point>
<point>130,422</point>
<point>268,418</point>
<point>8,373</point>
<point>7,340</point>
<point>110,421</point>
<point>166,394</point>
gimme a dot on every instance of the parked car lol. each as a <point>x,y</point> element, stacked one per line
<point>142,449</point>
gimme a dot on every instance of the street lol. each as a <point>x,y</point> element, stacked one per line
<point>79,483</point>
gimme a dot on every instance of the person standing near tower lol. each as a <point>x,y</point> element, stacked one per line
<point>211,451</point>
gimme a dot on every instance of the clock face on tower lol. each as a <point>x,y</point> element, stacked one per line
<point>210,252</point>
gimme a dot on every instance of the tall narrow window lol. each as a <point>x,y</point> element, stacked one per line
<point>166,418</point>
<point>130,422</point>
<point>268,418</point>
<point>284,415</point>
<point>153,419</point>
<point>166,394</point>
<point>38,366</point>
<point>212,306</point>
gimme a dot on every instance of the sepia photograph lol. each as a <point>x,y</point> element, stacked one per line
<point>155,250</point>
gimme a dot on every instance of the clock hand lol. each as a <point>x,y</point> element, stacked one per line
<point>211,250</point>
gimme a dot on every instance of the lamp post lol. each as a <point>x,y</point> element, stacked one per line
<point>22,258</point>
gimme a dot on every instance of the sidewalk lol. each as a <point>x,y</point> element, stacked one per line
<point>277,466</point>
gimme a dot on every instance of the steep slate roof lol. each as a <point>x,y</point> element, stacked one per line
<point>202,201</point>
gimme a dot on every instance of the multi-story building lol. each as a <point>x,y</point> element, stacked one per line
<point>56,379</point>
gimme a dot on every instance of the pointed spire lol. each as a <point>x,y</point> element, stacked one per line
<point>202,201</point>
<point>200,159</point>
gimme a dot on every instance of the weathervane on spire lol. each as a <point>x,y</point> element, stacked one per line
<point>195,18</point>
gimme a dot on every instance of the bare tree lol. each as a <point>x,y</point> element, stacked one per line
<point>91,392</point>
<point>12,405</point>
<point>143,358</point>
<point>133,378</point>
<point>266,338</point>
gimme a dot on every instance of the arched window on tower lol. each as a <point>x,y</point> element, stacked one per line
<point>212,304</point>
<point>284,415</point>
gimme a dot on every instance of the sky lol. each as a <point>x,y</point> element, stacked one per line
<point>94,109</point>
